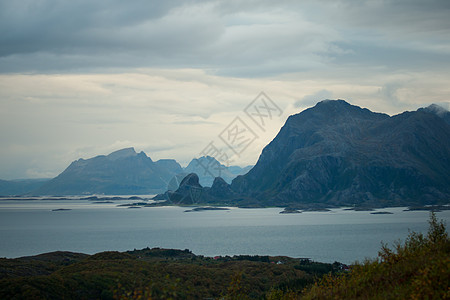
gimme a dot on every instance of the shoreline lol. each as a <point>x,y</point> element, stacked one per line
<point>147,201</point>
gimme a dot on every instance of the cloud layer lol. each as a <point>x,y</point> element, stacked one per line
<point>254,38</point>
<point>82,78</point>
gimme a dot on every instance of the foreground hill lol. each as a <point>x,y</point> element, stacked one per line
<point>337,154</point>
<point>153,274</point>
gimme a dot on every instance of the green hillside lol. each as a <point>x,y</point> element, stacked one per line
<point>154,274</point>
<point>417,269</point>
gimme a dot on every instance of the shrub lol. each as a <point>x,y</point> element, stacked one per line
<point>417,269</point>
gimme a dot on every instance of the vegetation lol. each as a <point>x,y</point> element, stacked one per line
<point>417,269</point>
<point>153,274</point>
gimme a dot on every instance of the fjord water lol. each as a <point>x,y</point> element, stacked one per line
<point>31,227</point>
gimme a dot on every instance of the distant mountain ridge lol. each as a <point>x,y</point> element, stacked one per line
<point>20,186</point>
<point>122,172</point>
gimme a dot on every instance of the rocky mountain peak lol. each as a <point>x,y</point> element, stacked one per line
<point>123,153</point>
<point>191,180</point>
<point>437,110</point>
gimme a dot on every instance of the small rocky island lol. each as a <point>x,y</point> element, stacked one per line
<point>288,210</point>
<point>206,208</point>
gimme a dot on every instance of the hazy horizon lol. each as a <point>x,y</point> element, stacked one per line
<point>81,79</point>
<point>183,164</point>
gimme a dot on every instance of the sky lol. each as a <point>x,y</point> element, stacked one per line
<point>172,78</point>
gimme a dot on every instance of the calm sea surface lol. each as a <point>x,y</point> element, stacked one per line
<point>31,227</point>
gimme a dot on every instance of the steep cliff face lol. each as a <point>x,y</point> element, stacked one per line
<point>339,154</point>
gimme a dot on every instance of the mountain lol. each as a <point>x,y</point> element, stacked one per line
<point>20,186</point>
<point>236,170</point>
<point>121,172</point>
<point>125,172</point>
<point>337,154</point>
<point>438,111</point>
<point>207,168</point>
<point>189,192</point>
<point>171,165</point>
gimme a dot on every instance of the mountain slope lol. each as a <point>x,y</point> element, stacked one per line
<point>438,111</point>
<point>208,168</point>
<point>121,172</point>
<point>339,154</point>
<point>127,172</point>
<point>20,186</point>
<point>171,165</point>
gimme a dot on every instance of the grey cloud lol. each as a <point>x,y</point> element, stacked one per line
<point>61,36</point>
<point>388,92</point>
<point>251,38</point>
<point>391,54</point>
<point>33,26</point>
<point>396,16</point>
<point>195,122</point>
<point>311,100</point>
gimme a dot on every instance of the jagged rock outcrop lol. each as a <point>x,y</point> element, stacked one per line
<point>189,192</point>
<point>220,190</point>
<point>192,192</point>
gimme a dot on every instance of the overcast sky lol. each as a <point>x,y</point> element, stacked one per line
<point>84,78</point>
